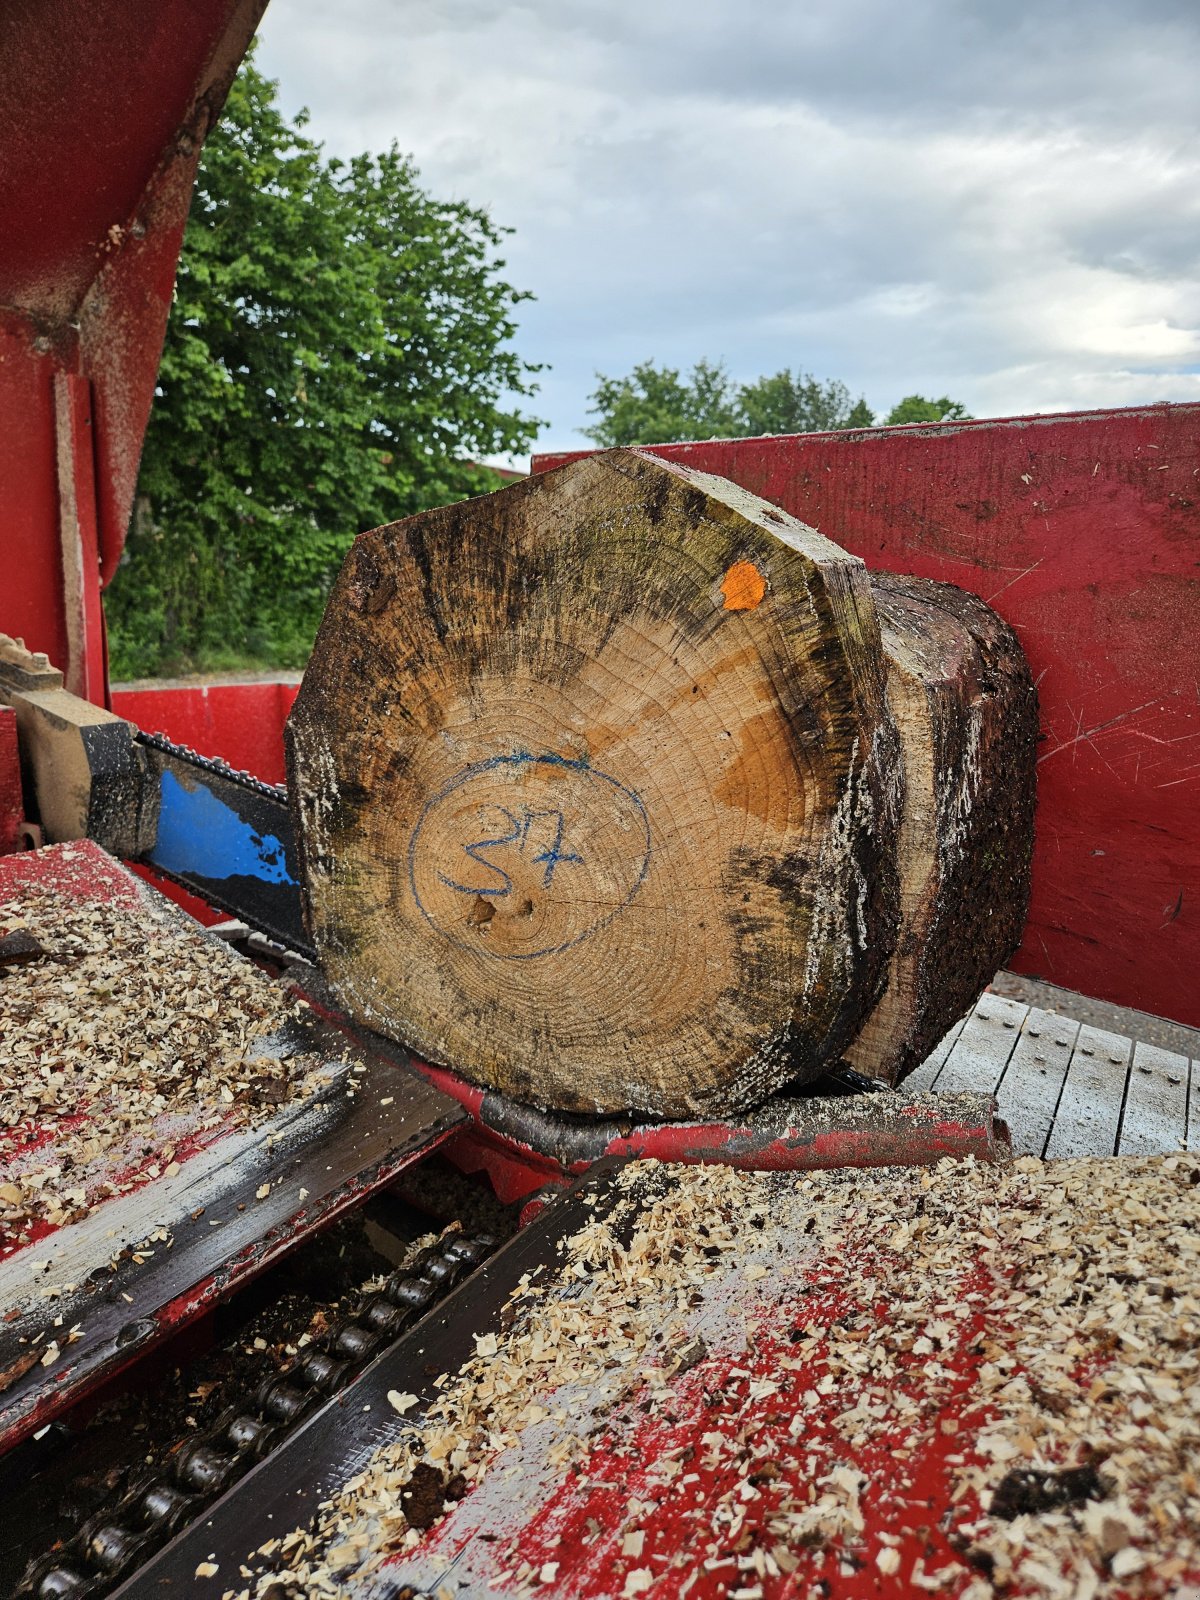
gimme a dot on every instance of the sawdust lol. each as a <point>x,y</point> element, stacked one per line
<point>1032,1330</point>
<point>132,1038</point>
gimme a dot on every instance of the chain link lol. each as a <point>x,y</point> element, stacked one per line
<point>215,766</point>
<point>121,1536</point>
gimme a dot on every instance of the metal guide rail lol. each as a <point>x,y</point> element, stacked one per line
<point>760,1386</point>
<point>192,1210</point>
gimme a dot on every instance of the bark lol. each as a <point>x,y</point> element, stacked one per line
<point>965,707</point>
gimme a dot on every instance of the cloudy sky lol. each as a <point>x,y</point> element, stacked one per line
<point>997,200</point>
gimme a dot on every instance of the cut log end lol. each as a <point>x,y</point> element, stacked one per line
<point>596,791</point>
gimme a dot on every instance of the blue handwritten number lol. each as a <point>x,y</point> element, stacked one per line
<point>518,834</point>
<point>505,886</point>
<point>556,853</point>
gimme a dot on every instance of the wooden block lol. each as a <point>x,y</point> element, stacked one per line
<point>963,701</point>
<point>597,791</point>
<point>83,763</point>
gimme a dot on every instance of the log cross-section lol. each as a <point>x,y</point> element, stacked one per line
<point>597,791</point>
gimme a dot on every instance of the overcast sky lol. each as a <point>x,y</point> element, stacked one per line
<point>997,200</point>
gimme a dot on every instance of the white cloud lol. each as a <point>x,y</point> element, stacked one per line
<point>1003,207</point>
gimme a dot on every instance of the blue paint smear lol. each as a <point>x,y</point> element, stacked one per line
<point>199,835</point>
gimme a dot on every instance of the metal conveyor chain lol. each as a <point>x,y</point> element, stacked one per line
<point>118,1538</point>
<point>214,765</point>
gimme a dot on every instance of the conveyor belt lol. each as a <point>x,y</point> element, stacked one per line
<point>1066,1088</point>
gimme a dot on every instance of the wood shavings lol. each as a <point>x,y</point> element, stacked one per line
<point>1050,1311</point>
<point>133,1023</point>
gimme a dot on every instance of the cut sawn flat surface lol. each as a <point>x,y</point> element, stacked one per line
<point>596,791</point>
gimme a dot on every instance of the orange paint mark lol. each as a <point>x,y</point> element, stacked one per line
<point>743,586</point>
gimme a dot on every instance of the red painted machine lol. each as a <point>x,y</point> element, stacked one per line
<point>1082,530</point>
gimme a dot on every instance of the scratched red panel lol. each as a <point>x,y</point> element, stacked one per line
<point>31,607</point>
<point>240,722</point>
<point>1083,531</point>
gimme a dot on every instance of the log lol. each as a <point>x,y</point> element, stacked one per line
<point>961,696</point>
<point>596,791</point>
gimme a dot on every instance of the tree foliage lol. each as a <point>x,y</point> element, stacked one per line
<point>337,354</point>
<point>800,404</point>
<point>915,408</point>
<point>655,405</point>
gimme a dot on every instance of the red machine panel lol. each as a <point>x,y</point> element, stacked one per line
<point>103,109</point>
<point>240,722</point>
<point>1083,531</point>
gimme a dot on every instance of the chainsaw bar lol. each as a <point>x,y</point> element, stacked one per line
<point>228,838</point>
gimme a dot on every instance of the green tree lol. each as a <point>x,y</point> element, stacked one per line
<point>799,403</point>
<point>915,408</point>
<point>337,354</point>
<point>655,405</point>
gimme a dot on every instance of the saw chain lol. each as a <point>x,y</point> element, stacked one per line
<point>227,837</point>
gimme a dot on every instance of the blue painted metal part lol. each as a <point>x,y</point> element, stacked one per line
<point>200,833</point>
<point>230,842</point>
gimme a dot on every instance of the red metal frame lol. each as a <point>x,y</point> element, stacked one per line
<point>242,722</point>
<point>518,1164</point>
<point>1083,531</point>
<point>104,106</point>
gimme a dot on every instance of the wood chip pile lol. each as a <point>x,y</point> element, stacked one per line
<point>133,1036</point>
<point>969,1381</point>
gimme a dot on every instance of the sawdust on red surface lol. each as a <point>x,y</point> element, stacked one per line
<point>1024,1339</point>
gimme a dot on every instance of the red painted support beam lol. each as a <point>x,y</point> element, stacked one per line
<point>104,107</point>
<point>1083,531</point>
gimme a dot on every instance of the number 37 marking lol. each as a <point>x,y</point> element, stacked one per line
<point>519,828</point>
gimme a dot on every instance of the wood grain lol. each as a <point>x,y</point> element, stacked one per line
<point>597,790</point>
